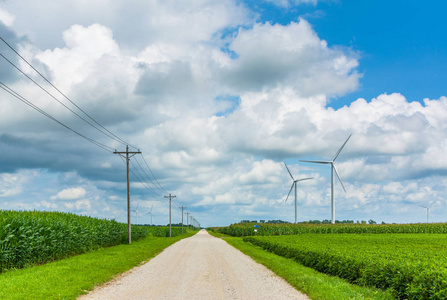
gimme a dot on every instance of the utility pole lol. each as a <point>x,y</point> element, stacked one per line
<point>170,198</point>
<point>182,207</point>
<point>127,157</point>
<point>187,220</point>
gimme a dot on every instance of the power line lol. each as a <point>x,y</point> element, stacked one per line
<point>145,184</point>
<point>150,180</point>
<point>153,174</point>
<point>29,103</point>
<point>109,133</point>
<point>52,96</point>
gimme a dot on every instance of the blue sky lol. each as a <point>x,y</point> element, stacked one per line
<point>401,44</point>
<point>217,95</point>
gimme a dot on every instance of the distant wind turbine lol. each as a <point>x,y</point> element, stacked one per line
<point>150,213</point>
<point>332,163</point>
<point>136,212</point>
<point>294,184</point>
<point>428,211</point>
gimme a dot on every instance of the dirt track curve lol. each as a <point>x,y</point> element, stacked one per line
<point>199,267</point>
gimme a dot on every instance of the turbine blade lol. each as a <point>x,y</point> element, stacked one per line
<point>289,171</point>
<point>304,179</point>
<point>289,192</point>
<point>339,178</point>
<point>341,148</point>
<point>317,162</point>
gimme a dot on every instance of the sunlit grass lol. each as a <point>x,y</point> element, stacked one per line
<point>74,276</point>
<point>316,285</point>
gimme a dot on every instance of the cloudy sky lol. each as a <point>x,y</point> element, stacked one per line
<point>217,95</point>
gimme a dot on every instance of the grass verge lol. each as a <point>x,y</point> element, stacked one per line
<point>74,276</point>
<point>314,284</point>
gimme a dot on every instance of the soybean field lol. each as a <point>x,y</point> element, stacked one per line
<point>247,229</point>
<point>413,266</point>
<point>410,260</point>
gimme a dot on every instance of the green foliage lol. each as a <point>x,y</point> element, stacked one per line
<point>292,229</point>
<point>71,277</point>
<point>314,284</point>
<point>34,237</point>
<point>412,266</point>
<point>164,231</point>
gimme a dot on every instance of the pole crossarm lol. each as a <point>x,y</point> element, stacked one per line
<point>127,156</point>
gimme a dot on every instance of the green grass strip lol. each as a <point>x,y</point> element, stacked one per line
<point>74,276</point>
<point>314,284</point>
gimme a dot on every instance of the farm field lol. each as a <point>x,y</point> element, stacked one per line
<point>34,237</point>
<point>411,266</point>
<point>73,276</point>
<point>266,229</point>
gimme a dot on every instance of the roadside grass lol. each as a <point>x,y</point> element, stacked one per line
<point>77,275</point>
<point>314,284</point>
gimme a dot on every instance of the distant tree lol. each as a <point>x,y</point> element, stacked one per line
<point>314,221</point>
<point>383,222</point>
<point>371,221</point>
<point>363,222</point>
<point>277,221</point>
<point>254,221</point>
<point>261,221</point>
<point>245,221</point>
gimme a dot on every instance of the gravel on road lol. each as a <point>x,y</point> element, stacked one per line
<point>199,267</point>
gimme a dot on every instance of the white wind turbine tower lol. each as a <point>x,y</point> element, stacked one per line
<point>332,163</point>
<point>294,184</point>
<point>136,212</point>
<point>428,211</point>
<point>150,213</point>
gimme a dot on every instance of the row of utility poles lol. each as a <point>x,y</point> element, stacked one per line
<point>127,155</point>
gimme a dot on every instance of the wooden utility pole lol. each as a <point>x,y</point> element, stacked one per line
<point>170,198</point>
<point>182,208</point>
<point>127,157</point>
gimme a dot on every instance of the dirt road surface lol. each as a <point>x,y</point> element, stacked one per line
<point>200,267</point>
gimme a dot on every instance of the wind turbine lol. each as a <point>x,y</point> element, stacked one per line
<point>150,213</point>
<point>136,211</point>
<point>332,163</point>
<point>294,184</point>
<point>428,211</point>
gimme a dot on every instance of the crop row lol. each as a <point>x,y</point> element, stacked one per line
<point>292,229</point>
<point>32,237</point>
<point>412,266</point>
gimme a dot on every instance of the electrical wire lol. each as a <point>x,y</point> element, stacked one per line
<point>152,173</point>
<point>104,130</point>
<point>61,103</point>
<point>112,135</point>
<point>141,180</point>
<point>150,180</point>
<point>29,103</point>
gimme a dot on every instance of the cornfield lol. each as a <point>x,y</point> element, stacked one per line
<point>33,237</point>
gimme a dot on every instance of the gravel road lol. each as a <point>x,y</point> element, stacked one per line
<point>199,267</point>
